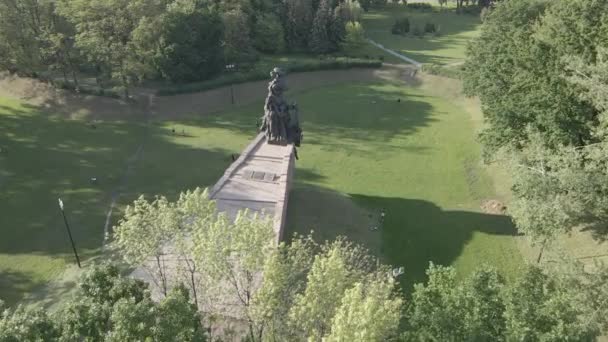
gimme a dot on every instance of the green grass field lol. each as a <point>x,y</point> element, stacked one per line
<point>447,47</point>
<point>363,152</point>
<point>46,156</point>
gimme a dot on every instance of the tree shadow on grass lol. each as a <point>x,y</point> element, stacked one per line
<point>363,112</point>
<point>414,232</point>
<point>46,156</point>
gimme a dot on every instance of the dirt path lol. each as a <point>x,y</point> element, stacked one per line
<point>396,54</point>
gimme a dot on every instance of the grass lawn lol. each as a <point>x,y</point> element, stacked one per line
<point>417,159</point>
<point>446,48</point>
<point>46,156</point>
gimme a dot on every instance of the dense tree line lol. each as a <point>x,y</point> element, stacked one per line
<point>122,42</point>
<point>539,68</point>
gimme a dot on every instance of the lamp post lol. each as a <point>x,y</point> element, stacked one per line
<point>67,227</point>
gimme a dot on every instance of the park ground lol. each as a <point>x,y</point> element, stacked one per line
<point>372,143</point>
<point>375,140</point>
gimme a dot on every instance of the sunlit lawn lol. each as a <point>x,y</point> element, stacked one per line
<point>449,46</point>
<point>363,151</point>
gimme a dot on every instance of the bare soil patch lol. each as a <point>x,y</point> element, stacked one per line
<point>65,103</point>
<point>494,207</point>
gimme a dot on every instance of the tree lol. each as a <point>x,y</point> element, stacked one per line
<point>21,26</point>
<point>336,30</point>
<point>112,49</point>
<point>298,23</point>
<point>338,267</point>
<point>238,47</point>
<point>144,232</point>
<point>369,312</point>
<point>350,10</point>
<point>519,79</point>
<point>23,324</point>
<point>447,310</point>
<point>109,307</point>
<point>554,307</point>
<point>232,256</point>
<point>268,34</point>
<point>537,100</point>
<point>319,35</point>
<point>355,36</point>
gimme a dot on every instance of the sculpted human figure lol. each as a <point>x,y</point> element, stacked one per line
<point>281,121</point>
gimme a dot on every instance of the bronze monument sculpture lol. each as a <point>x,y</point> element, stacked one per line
<point>281,122</point>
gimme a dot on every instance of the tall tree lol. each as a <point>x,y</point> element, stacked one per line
<point>238,46</point>
<point>298,22</point>
<point>145,233</point>
<point>268,34</point>
<point>445,309</point>
<point>183,44</point>
<point>519,79</point>
<point>319,35</point>
<point>105,34</point>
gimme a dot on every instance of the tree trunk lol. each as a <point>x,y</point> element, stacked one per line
<point>540,253</point>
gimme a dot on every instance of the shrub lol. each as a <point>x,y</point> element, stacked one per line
<point>421,6</point>
<point>430,28</point>
<point>401,26</point>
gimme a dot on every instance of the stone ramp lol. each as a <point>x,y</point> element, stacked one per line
<point>260,180</point>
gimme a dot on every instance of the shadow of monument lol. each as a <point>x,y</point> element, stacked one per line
<point>414,231</point>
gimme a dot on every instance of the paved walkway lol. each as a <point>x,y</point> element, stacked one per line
<point>396,54</point>
<point>258,180</point>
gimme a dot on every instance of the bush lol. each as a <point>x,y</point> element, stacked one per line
<point>257,75</point>
<point>430,28</point>
<point>421,6</point>
<point>401,26</point>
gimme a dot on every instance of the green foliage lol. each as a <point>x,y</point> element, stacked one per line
<point>299,20</point>
<point>319,37</point>
<point>268,34</point>
<point>401,26</point>
<point>525,86</point>
<point>368,312</point>
<point>350,10</point>
<point>185,43</point>
<point>420,6</point>
<point>542,305</point>
<point>238,47</point>
<point>24,324</point>
<point>545,307</point>
<point>355,36</point>
<point>547,119</point>
<point>445,309</point>
<point>115,48</point>
<point>334,291</point>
